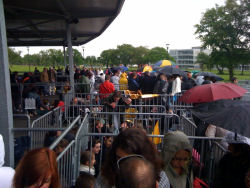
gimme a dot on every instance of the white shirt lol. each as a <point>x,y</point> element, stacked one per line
<point>176,87</point>
<point>6,173</point>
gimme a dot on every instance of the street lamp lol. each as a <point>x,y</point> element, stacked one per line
<point>28,49</point>
<point>167,45</point>
<point>83,52</point>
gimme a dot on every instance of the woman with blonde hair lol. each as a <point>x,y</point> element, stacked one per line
<point>38,168</point>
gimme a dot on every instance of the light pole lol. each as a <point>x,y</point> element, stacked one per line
<point>28,48</point>
<point>83,52</point>
<point>167,45</point>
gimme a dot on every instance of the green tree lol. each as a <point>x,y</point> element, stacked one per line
<point>225,29</point>
<point>90,60</point>
<point>14,56</point>
<point>157,54</point>
<point>124,54</point>
<point>108,57</point>
<point>77,57</point>
<point>45,59</point>
<point>204,60</point>
<point>55,57</point>
<point>140,54</point>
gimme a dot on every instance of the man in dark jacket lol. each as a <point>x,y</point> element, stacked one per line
<point>133,85</point>
<point>189,82</point>
<point>147,83</point>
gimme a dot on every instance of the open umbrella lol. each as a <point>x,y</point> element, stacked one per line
<point>233,115</point>
<point>163,63</point>
<point>123,68</point>
<point>212,92</point>
<point>147,68</point>
<point>170,70</point>
<point>211,75</point>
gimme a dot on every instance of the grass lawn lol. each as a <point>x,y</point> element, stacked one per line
<point>225,76</point>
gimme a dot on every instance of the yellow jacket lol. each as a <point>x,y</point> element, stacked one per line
<point>123,81</point>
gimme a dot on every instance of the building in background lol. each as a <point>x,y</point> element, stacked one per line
<point>186,58</point>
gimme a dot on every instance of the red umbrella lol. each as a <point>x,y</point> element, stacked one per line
<point>212,92</point>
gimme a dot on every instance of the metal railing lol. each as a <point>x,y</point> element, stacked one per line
<point>188,126</point>
<point>170,102</point>
<point>73,110</point>
<point>157,123</point>
<point>26,116</point>
<point>69,159</point>
<point>52,119</point>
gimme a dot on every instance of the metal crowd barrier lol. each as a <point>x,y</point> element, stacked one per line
<point>188,126</point>
<point>73,110</point>
<point>26,116</point>
<point>153,123</point>
<point>23,140</point>
<point>52,88</point>
<point>246,96</point>
<point>245,84</point>
<point>69,159</point>
<point>170,102</point>
<point>52,119</point>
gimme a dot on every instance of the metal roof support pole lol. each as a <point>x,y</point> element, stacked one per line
<point>6,116</point>
<point>64,55</point>
<point>71,63</point>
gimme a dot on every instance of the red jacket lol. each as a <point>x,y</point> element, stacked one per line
<point>61,103</point>
<point>106,88</point>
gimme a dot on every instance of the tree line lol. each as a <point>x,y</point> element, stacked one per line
<point>124,54</point>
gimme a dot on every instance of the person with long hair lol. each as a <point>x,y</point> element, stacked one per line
<point>128,142</point>
<point>38,168</point>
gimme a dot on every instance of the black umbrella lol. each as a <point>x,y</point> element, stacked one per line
<point>211,75</point>
<point>233,115</point>
<point>171,70</point>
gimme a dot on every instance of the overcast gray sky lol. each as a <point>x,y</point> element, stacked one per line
<point>149,23</point>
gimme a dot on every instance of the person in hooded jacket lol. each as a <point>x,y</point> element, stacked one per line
<point>6,173</point>
<point>177,153</point>
<point>123,82</point>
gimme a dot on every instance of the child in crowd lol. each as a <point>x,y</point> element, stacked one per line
<point>87,163</point>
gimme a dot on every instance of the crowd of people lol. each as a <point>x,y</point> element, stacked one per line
<point>130,159</point>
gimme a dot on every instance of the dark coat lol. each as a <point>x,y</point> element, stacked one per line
<point>232,171</point>
<point>133,85</point>
<point>147,84</point>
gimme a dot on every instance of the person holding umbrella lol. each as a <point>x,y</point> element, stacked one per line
<point>189,82</point>
<point>207,80</point>
<point>234,80</point>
